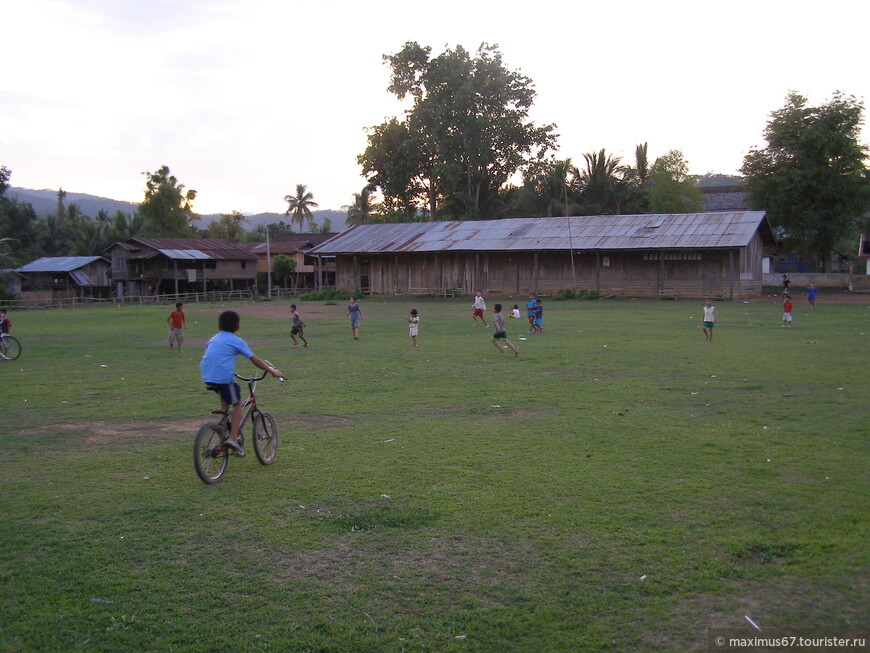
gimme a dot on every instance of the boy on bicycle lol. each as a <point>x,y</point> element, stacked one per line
<point>217,369</point>
<point>5,322</point>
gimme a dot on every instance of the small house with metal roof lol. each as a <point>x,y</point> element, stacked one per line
<point>66,276</point>
<point>161,266</point>
<point>691,255</point>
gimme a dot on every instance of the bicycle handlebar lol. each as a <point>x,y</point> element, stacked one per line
<point>251,379</point>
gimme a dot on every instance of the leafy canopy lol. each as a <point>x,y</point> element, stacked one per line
<point>467,133</point>
<point>811,178</point>
<point>167,210</point>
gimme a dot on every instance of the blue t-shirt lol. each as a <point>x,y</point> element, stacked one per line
<point>539,312</point>
<point>219,361</point>
<point>530,307</point>
<point>811,294</point>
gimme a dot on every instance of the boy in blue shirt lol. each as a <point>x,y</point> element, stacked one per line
<point>539,317</point>
<point>217,369</point>
<point>530,312</point>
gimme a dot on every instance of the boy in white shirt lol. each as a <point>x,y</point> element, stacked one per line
<point>479,307</point>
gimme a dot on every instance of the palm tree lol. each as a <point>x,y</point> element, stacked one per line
<point>361,209</point>
<point>600,182</point>
<point>300,205</point>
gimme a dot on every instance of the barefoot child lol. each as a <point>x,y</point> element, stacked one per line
<point>709,319</point>
<point>479,307</point>
<point>177,324</point>
<point>786,311</point>
<point>413,322</point>
<point>298,328</point>
<point>499,332</point>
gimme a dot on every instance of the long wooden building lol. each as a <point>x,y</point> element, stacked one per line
<point>690,255</point>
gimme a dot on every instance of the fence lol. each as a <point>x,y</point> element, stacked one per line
<point>79,302</point>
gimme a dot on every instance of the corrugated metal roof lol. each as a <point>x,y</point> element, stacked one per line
<point>185,254</point>
<point>59,263</point>
<point>212,248</point>
<point>80,278</point>
<point>597,232</point>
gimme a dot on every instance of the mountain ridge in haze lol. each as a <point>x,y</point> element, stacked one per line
<point>44,202</point>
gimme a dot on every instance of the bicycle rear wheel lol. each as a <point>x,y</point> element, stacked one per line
<point>209,453</point>
<point>265,438</point>
<point>10,348</point>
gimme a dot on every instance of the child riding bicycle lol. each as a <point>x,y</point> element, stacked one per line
<point>217,368</point>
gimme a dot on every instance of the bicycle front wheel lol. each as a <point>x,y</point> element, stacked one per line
<point>265,438</point>
<point>10,348</point>
<point>209,453</point>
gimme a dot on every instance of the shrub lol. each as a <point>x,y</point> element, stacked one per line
<point>565,293</point>
<point>588,294</point>
<point>327,295</point>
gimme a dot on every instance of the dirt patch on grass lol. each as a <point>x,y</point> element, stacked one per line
<point>102,431</point>
<point>97,432</point>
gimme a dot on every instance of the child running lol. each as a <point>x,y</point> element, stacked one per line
<point>499,332</point>
<point>413,322</point>
<point>217,369</point>
<point>479,307</point>
<point>298,328</point>
<point>354,312</point>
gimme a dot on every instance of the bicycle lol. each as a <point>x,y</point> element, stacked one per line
<point>10,348</point>
<point>210,454</point>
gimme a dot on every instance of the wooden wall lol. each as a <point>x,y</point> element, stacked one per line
<point>733,273</point>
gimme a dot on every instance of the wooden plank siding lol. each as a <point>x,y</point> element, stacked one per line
<point>733,273</point>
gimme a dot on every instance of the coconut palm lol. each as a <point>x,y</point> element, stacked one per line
<point>299,206</point>
<point>360,211</point>
<point>600,183</point>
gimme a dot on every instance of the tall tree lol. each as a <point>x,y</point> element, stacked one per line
<point>812,178</point>
<point>672,188</point>
<point>60,211</point>
<point>5,175</point>
<point>299,206</point>
<point>466,135</point>
<point>18,224</point>
<point>167,209</point>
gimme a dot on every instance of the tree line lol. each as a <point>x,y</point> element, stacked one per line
<point>465,148</point>
<point>466,135</point>
<point>165,212</point>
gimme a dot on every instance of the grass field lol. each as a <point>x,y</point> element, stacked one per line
<point>622,485</point>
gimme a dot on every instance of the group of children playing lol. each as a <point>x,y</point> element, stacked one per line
<point>709,320</point>
<point>218,361</point>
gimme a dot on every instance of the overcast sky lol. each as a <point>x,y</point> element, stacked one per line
<point>245,99</point>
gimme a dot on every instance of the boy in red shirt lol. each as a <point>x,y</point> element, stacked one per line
<point>786,311</point>
<point>177,324</point>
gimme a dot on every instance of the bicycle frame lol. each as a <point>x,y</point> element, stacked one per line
<point>250,404</point>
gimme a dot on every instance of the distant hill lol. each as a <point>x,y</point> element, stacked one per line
<point>44,202</point>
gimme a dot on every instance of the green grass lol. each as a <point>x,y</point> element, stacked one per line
<point>443,498</point>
